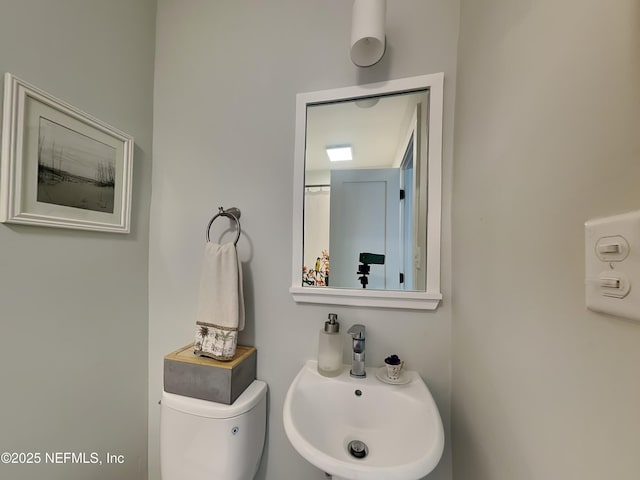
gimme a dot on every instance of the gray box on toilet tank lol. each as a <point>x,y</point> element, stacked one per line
<point>200,377</point>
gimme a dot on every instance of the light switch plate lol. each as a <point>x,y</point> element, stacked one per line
<point>612,265</point>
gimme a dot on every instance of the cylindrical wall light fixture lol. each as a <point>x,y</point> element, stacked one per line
<point>367,32</point>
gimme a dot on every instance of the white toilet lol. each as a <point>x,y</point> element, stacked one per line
<point>208,440</point>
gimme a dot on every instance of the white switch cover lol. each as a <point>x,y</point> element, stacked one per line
<point>612,269</point>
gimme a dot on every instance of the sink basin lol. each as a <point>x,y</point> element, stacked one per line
<point>399,424</point>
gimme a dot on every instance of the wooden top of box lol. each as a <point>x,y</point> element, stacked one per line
<point>185,354</point>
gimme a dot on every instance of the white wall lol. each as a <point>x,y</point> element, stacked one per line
<point>317,204</point>
<point>227,73</point>
<point>547,115</point>
<point>73,304</point>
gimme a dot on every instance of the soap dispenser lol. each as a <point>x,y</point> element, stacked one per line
<point>330,348</point>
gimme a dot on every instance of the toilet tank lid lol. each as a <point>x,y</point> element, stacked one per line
<point>204,408</point>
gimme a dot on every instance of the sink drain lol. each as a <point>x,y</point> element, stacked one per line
<point>358,449</point>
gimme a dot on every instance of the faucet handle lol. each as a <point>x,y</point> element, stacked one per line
<point>357,331</point>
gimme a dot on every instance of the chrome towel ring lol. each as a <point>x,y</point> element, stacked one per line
<point>234,214</point>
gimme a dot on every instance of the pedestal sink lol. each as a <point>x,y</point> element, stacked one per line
<point>364,429</point>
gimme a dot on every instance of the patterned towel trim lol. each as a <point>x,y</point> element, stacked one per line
<point>215,341</point>
<point>219,327</point>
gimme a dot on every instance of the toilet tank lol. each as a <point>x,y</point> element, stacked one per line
<point>209,440</point>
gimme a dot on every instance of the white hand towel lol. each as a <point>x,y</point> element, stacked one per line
<point>221,303</point>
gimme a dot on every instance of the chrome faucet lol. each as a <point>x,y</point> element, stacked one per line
<point>357,363</point>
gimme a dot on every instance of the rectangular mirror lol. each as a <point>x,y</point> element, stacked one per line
<point>366,226</point>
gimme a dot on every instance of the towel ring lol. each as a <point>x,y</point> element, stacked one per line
<point>233,213</point>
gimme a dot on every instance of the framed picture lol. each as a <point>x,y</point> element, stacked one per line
<point>61,167</point>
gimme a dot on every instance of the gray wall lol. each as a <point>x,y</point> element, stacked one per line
<point>547,115</point>
<point>73,304</point>
<point>227,73</point>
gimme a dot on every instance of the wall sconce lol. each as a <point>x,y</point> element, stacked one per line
<point>368,41</point>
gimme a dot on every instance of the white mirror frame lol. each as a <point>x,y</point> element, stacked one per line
<point>418,300</point>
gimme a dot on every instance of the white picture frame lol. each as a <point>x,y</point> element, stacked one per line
<point>61,167</point>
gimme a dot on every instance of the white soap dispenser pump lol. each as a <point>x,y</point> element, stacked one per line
<point>330,348</point>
